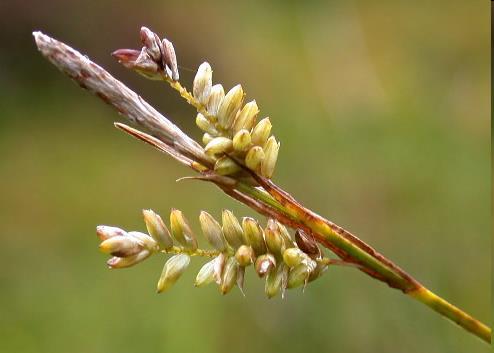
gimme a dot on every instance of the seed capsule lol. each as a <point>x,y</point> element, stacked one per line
<point>285,235</point>
<point>106,232</point>
<point>241,140</point>
<point>229,107</point>
<point>146,66</point>
<point>121,246</point>
<point>219,266</point>
<point>218,145</point>
<point>152,43</point>
<point>205,125</point>
<point>206,274</point>
<point>170,58</point>
<point>231,229</point>
<point>212,231</point>
<point>318,271</point>
<point>275,281</point>
<point>254,158</point>
<point>201,88</point>
<point>206,138</point>
<point>254,235</point>
<point>173,269</point>
<point>271,156</point>
<point>139,61</point>
<point>246,118</point>
<point>157,229</point>
<point>181,231</point>
<point>126,57</point>
<point>293,257</point>
<point>244,255</point>
<point>226,166</point>
<point>229,275</point>
<point>298,275</point>
<point>264,264</point>
<point>272,236</point>
<point>124,262</point>
<point>216,96</point>
<point>261,132</point>
<point>306,243</point>
<point>144,240</point>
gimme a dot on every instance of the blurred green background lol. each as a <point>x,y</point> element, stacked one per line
<point>383,113</point>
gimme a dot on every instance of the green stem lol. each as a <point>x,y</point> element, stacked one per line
<point>329,235</point>
<point>197,252</point>
<point>367,258</point>
<point>453,313</point>
<point>177,86</point>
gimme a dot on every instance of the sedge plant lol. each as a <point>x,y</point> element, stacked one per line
<point>238,154</point>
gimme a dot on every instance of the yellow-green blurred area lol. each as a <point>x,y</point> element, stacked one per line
<point>382,109</point>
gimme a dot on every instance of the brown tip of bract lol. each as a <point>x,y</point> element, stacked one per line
<point>125,55</point>
<point>36,35</point>
<point>307,243</point>
<point>39,37</point>
<point>170,58</point>
<point>105,232</point>
<point>144,33</point>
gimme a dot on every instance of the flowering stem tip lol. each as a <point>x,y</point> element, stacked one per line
<point>238,154</point>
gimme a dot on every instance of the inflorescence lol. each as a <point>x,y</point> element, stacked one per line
<point>272,252</point>
<point>235,143</point>
<point>235,140</point>
<point>232,135</point>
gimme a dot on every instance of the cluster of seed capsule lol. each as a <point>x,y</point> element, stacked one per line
<point>231,128</point>
<point>275,256</point>
<point>156,59</point>
<point>232,135</point>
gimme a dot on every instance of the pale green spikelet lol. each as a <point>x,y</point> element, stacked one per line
<point>246,118</point>
<point>231,229</point>
<point>226,166</point>
<point>241,141</point>
<point>173,269</point>
<point>261,132</point>
<point>229,278</point>
<point>245,255</point>
<point>212,231</point>
<point>229,107</point>
<point>254,158</point>
<point>201,88</point>
<point>157,229</point>
<point>181,230</point>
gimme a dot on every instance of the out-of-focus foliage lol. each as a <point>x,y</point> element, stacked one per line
<point>382,109</point>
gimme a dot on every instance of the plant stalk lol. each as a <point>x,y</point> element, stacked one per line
<point>368,258</point>
<point>269,199</point>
